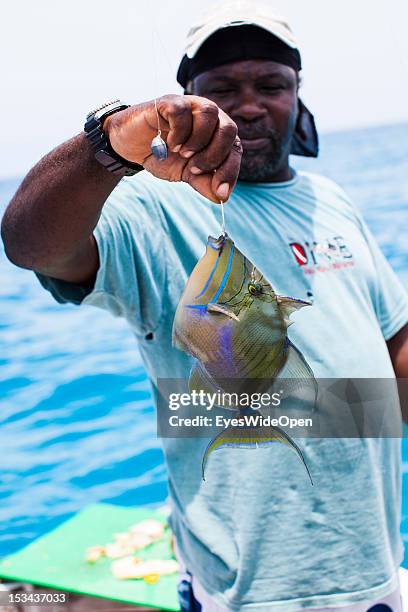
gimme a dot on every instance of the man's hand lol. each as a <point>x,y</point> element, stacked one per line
<point>202,141</point>
<point>48,226</point>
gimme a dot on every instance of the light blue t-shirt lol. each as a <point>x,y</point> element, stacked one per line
<point>255,533</point>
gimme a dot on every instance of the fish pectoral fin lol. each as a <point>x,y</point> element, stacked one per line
<point>290,304</point>
<point>252,438</point>
<point>200,381</point>
<point>296,365</point>
<point>219,308</point>
<point>297,377</point>
<point>179,341</point>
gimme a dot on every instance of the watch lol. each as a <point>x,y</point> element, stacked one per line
<point>104,153</point>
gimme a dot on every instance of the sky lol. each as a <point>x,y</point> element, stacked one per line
<point>59,60</point>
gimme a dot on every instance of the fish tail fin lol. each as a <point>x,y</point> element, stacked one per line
<point>251,437</point>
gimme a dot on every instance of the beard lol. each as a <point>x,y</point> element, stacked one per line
<point>260,166</point>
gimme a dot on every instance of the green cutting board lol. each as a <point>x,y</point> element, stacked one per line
<point>57,560</point>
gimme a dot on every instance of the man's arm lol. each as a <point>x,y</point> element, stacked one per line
<point>398,349</point>
<point>48,226</point>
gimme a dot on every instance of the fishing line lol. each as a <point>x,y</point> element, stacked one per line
<point>158,146</point>
<point>156,42</point>
<point>222,219</point>
<point>166,54</point>
<point>158,117</point>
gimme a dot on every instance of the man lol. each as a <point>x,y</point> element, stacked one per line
<point>255,535</point>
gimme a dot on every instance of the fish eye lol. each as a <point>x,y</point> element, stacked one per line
<point>255,288</point>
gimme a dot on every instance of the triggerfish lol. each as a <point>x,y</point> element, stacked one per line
<point>232,322</point>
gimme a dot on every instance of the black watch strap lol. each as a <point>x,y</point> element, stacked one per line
<point>104,153</point>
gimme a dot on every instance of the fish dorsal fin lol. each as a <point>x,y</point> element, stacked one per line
<point>219,308</point>
<point>290,304</point>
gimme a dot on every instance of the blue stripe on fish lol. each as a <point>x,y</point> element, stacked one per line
<point>225,277</point>
<point>220,288</point>
<point>208,280</point>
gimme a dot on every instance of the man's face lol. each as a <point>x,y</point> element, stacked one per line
<point>261,97</point>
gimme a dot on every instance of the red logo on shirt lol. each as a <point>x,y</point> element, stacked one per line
<point>299,253</point>
<point>322,256</point>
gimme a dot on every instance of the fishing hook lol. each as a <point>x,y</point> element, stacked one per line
<point>158,146</point>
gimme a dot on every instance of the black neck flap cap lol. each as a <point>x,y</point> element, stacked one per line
<point>245,42</point>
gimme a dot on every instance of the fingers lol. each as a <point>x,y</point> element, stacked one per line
<point>218,148</point>
<point>203,145</point>
<point>205,121</point>
<point>202,184</point>
<point>226,176</point>
<point>197,127</point>
<point>192,121</point>
<point>177,113</point>
<point>219,185</point>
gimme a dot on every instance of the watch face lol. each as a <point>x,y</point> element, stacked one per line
<point>109,108</point>
<point>95,117</point>
<point>104,106</point>
<point>100,111</point>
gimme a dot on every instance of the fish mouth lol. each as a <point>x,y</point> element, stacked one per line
<point>217,243</point>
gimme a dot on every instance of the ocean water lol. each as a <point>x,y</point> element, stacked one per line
<point>77,423</point>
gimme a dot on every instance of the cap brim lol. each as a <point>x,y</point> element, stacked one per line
<point>275,27</point>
